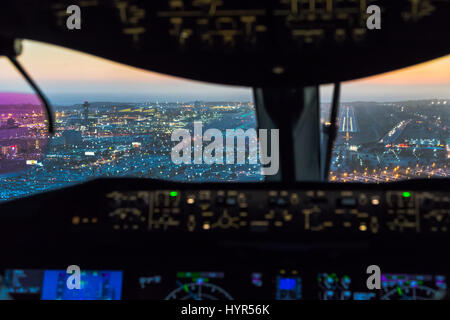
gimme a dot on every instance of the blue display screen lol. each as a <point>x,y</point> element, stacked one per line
<point>287,284</point>
<point>52,285</point>
<point>95,285</point>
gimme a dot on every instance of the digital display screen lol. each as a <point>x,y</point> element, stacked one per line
<point>95,285</point>
<point>234,284</point>
<point>334,286</point>
<point>288,286</point>
<point>394,286</point>
<point>199,286</point>
<point>35,284</point>
<point>23,283</point>
<point>413,287</point>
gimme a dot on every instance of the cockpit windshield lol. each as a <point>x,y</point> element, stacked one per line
<point>112,120</point>
<point>394,126</point>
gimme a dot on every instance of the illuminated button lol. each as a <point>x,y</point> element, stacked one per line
<point>76,220</point>
<point>347,224</point>
<point>278,69</point>
<point>190,200</point>
<point>375,201</point>
<point>362,200</point>
<point>204,195</point>
<point>294,199</point>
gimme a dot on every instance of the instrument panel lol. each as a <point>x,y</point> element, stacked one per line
<point>287,211</point>
<point>234,284</point>
<point>156,240</point>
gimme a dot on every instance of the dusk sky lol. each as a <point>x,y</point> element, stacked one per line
<point>67,77</point>
<point>429,80</point>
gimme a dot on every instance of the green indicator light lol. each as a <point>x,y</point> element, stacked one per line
<point>406,194</point>
<point>399,290</point>
<point>173,193</point>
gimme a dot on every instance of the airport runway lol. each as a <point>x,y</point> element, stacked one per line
<point>347,120</point>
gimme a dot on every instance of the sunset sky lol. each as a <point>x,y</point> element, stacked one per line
<point>423,81</point>
<point>67,77</point>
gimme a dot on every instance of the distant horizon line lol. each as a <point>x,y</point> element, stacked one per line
<point>240,101</point>
<point>217,100</point>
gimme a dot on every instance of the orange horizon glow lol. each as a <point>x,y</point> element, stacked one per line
<point>51,62</point>
<point>436,71</point>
